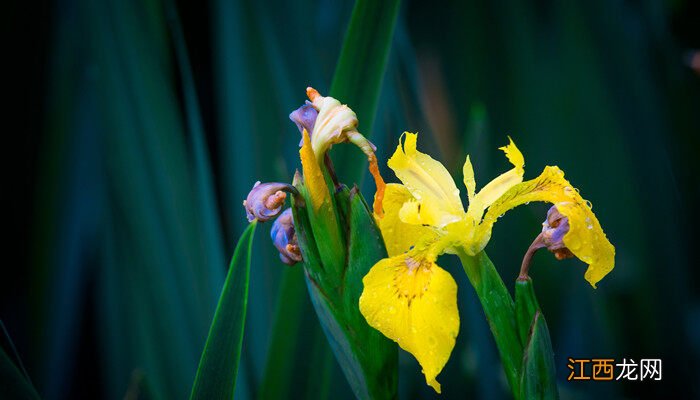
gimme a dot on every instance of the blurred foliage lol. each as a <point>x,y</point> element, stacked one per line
<point>153,131</point>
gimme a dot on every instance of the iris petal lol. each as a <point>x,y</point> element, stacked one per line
<point>414,302</point>
<point>585,239</point>
<point>399,237</point>
<point>429,183</point>
<point>498,186</point>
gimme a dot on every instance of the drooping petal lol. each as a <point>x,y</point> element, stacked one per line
<point>585,238</point>
<point>399,236</point>
<point>429,183</point>
<point>495,189</point>
<point>414,302</point>
<point>587,241</point>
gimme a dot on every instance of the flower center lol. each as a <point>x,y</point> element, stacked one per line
<point>412,279</point>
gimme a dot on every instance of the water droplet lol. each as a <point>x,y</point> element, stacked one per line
<point>589,204</point>
<point>527,203</point>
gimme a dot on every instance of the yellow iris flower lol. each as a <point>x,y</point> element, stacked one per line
<point>407,296</point>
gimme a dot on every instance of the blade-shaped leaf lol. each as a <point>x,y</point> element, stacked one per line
<point>367,358</point>
<point>357,80</point>
<point>526,306</point>
<point>216,375</point>
<point>538,373</point>
<point>14,380</point>
<point>500,312</point>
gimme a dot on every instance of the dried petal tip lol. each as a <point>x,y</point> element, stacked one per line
<point>285,239</point>
<point>265,200</point>
<point>312,93</point>
<point>553,231</point>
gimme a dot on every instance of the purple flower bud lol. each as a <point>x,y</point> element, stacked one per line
<point>265,200</point>
<point>553,231</point>
<point>305,118</point>
<point>285,239</point>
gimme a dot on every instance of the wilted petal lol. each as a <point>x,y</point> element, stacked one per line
<point>285,239</point>
<point>265,200</point>
<point>414,302</point>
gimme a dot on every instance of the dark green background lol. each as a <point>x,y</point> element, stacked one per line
<point>126,173</point>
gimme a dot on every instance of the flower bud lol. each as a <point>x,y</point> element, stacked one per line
<point>553,231</point>
<point>285,239</point>
<point>265,200</point>
<point>305,118</point>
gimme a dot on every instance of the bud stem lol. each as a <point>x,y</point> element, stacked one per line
<point>537,244</point>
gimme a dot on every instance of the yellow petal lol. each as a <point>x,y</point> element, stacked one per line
<point>313,176</point>
<point>495,189</point>
<point>585,238</point>
<point>514,155</point>
<point>399,237</point>
<point>469,181</point>
<point>414,302</point>
<point>429,183</point>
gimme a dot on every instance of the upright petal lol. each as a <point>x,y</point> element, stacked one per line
<point>429,183</point>
<point>469,181</point>
<point>585,238</point>
<point>413,301</point>
<point>495,189</point>
<point>399,237</point>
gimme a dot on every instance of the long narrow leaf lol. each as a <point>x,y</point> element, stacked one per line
<point>216,375</point>
<point>358,75</point>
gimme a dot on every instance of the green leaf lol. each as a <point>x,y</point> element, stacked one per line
<point>14,380</point>
<point>358,76</point>
<point>216,375</point>
<point>367,358</point>
<point>279,366</point>
<point>500,313</point>
<point>525,307</point>
<point>538,373</point>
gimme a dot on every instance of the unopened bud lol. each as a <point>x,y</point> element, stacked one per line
<point>305,118</point>
<point>265,200</point>
<point>285,239</point>
<point>553,231</point>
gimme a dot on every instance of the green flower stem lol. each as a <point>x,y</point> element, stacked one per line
<point>500,312</point>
